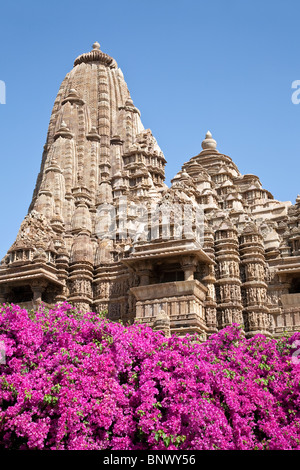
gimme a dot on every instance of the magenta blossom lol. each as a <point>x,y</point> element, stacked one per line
<point>78,381</point>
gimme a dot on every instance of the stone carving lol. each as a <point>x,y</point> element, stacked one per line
<point>162,323</point>
<point>82,307</point>
<point>81,286</point>
<point>114,311</point>
<point>102,290</point>
<point>211,317</point>
<point>86,237</point>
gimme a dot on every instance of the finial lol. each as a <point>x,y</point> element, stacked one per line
<point>96,55</point>
<point>209,143</point>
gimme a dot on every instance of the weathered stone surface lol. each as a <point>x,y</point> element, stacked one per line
<point>104,232</point>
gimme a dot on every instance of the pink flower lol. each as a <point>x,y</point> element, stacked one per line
<point>81,382</point>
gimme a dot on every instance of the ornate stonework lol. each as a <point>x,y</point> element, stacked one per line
<point>104,232</point>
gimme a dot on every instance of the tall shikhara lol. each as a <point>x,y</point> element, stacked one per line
<point>104,232</point>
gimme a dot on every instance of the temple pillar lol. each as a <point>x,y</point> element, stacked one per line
<point>38,288</point>
<point>144,273</point>
<point>254,288</point>
<point>4,291</point>
<point>189,265</point>
<point>229,290</point>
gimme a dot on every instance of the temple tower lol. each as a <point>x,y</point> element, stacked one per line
<point>97,152</point>
<point>105,233</point>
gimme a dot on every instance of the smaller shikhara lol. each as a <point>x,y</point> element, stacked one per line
<point>74,381</point>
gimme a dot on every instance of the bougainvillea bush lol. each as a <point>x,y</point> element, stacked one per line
<point>78,381</point>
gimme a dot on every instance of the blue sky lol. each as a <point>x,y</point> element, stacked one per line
<point>191,65</point>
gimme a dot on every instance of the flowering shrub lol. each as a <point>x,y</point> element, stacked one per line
<point>78,381</point>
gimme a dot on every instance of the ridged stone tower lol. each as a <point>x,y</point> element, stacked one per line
<point>105,233</point>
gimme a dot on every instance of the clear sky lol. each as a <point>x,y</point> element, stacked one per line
<point>191,65</point>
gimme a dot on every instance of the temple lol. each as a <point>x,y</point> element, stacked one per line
<point>105,233</point>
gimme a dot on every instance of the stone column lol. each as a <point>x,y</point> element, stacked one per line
<point>256,312</point>
<point>81,272</point>
<point>189,264</point>
<point>144,272</point>
<point>210,301</point>
<point>62,265</point>
<point>38,288</point>
<point>228,260</point>
<point>3,294</point>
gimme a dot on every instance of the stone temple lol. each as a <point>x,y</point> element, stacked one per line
<point>105,233</point>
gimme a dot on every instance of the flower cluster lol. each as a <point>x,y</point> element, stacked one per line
<point>78,381</point>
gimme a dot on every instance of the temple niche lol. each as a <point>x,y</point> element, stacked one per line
<point>105,233</point>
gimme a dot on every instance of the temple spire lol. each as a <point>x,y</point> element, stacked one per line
<point>105,233</point>
<point>96,46</point>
